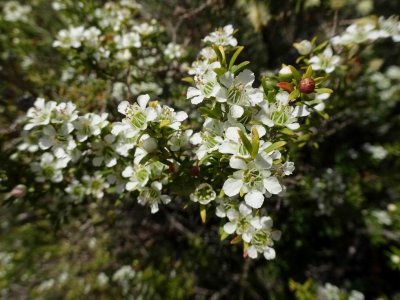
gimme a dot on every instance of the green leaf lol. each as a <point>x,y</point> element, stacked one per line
<point>295,73</point>
<point>203,214</point>
<point>321,46</point>
<point>308,73</point>
<point>275,146</point>
<point>287,131</point>
<point>324,90</point>
<point>294,94</point>
<point>235,56</point>
<point>188,79</point>
<point>246,142</point>
<point>255,142</point>
<point>207,112</point>
<point>220,71</point>
<point>221,49</point>
<point>240,67</point>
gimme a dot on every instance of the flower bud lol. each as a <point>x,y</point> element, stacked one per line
<point>304,47</point>
<point>285,74</point>
<point>285,86</point>
<point>307,85</point>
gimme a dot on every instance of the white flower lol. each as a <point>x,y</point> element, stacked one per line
<point>14,11</point>
<point>357,34</point>
<point>104,152</point>
<point>390,27</point>
<point>124,273</point>
<point>89,125</point>
<point>167,117</point>
<point>252,180</point>
<point>238,218</point>
<point>239,92</point>
<point>152,196</point>
<point>65,112</point>
<point>203,194</point>
<point>325,61</point>
<point>70,38</point>
<point>75,189</point>
<point>209,139</point>
<point>207,86</point>
<point>377,151</point>
<point>40,114</point>
<point>91,36</point>
<point>180,140</point>
<point>304,47</point>
<point>95,185</point>
<point>328,292</point>
<point>173,51</point>
<point>356,295</point>
<point>128,40</point>
<point>279,114</point>
<point>138,176</point>
<point>60,139</point>
<point>222,37</point>
<point>288,168</point>
<point>137,117</point>
<point>50,167</point>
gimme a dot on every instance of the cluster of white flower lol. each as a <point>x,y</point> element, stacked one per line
<point>13,11</point>
<point>117,39</point>
<point>239,121</point>
<point>363,31</point>
<point>65,137</point>
<point>369,31</point>
<point>239,151</point>
<point>331,292</point>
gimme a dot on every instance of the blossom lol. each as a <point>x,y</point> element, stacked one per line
<point>239,92</point>
<point>173,51</point>
<point>253,179</point>
<point>325,61</point>
<point>58,139</point>
<point>279,113</point>
<point>304,47</point>
<point>70,38</point>
<point>137,117</point>
<point>207,86</point>
<point>40,114</point>
<point>152,196</point>
<point>222,37</point>
<point>104,152</point>
<point>127,40</point>
<point>95,185</point>
<point>357,33</point>
<point>14,11</point>
<point>89,125</point>
<point>50,167</point>
<point>204,194</point>
<point>137,175</point>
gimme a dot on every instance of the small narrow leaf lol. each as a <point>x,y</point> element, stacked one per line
<point>236,239</point>
<point>294,94</point>
<point>235,56</point>
<point>221,49</point>
<point>188,79</point>
<point>237,69</point>
<point>255,142</point>
<point>275,146</point>
<point>324,90</point>
<point>308,73</point>
<point>203,214</point>
<point>295,73</point>
<point>245,141</point>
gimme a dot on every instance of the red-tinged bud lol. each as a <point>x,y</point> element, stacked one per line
<point>307,85</point>
<point>172,168</point>
<point>195,171</point>
<point>285,86</point>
